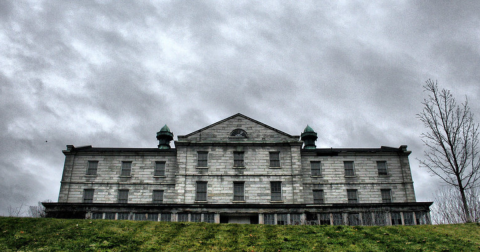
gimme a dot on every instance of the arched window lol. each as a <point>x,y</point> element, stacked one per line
<point>238,133</point>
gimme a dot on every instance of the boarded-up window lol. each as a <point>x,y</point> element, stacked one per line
<point>209,217</point>
<point>408,218</point>
<point>295,219</point>
<point>282,219</point>
<point>126,169</point>
<point>157,196</point>
<point>166,217</point>
<point>238,159</point>
<point>92,167</point>
<point>386,195</point>
<point>88,195</point>
<point>140,216</point>
<point>382,167</point>
<point>380,218</point>
<point>97,216</point>
<point>396,218</point>
<point>316,168</point>
<point>318,197</point>
<point>324,219</point>
<point>367,219</point>
<point>201,194</point>
<point>269,219</point>
<point>110,216</point>
<point>238,191</point>
<point>337,219</point>
<point>123,216</point>
<point>159,168</point>
<point>274,159</point>
<point>202,159</point>
<point>276,191</point>
<point>353,219</point>
<point>196,217</point>
<point>123,196</point>
<point>352,196</point>
<point>349,168</point>
<point>153,217</point>
<point>183,217</point>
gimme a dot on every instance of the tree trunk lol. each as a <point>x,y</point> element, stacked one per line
<point>464,200</point>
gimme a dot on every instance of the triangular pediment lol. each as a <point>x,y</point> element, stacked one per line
<point>238,128</point>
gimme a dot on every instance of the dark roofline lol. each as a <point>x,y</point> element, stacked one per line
<point>89,148</point>
<point>241,115</point>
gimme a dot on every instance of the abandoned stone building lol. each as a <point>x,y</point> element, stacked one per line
<point>239,170</point>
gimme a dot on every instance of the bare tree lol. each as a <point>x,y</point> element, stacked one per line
<point>15,211</point>
<point>37,211</point>
<point>452,151</point>
<point>448,206</point>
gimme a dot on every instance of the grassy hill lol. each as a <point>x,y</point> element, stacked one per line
<point>28,234</point>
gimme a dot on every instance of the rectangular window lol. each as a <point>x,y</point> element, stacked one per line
<point>123,216</point>
<point>209,217</point>
<point>367,219</point>
<point>382,167</point>
<point>386,195</point>
<point>196,217</point>
<point>353,219</point>
<point>408,218</point>
<point>274,159</point>
<point>110,216</point>
<point>88,195</point>
<point>126,169</point>
<point>202,159</point>
<point>153,217</point>
<point>97,216</point>
<point>167,217</point>
<point>123,196</point>
<point>238,191</point>
<point>337,219</point>
<point>316,168</point>
<point>92,167</point>
<point>269,219</point>
<point>312,219</point>
<point>201,194</point>
<point>183,217</point>
<point>159,169</point>
<point>352,196</point>
<point>318,197</point>
<point>157,196</point>
<point>276,191</point>
<point>396,218</point>
<point>282,219</point>
<point>295,219</point>
<point>349,168</point>
<point>238,159</point>
<point>380,219</point>
<point>324,219</point>
<point>140,216</point>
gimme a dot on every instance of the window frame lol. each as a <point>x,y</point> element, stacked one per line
<point>202,163</point>
<point>239,197</point>
<point>126,170</point>
<point>157,196</point>
<point>383,193</point>
<point>88,192</point>
<point>121,194</point>
<point>350,194</point>
<point>318,200</point>
<point>347,169</point>
<point>382,171</point>
<point>276,191</point>
<point>200,194</point>
<point>239,159</point>
<point>159,171</point>
<point>316,171</point>
<point>92,171</point>
<point>274,159</point>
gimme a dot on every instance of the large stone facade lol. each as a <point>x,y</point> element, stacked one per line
<point>239,170</point>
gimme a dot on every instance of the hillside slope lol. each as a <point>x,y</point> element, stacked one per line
<point>106,235</point>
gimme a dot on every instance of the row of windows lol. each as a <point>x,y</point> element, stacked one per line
<point>376,218</point>
<point>181,217</point>
<point>127,168</point>
<point>239,194</point>
<point>316,167</point>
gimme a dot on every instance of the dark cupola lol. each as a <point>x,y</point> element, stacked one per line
<point>164,137</point>
<point>309,137</point>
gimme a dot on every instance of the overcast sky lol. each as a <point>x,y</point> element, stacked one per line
<point>112,73</point>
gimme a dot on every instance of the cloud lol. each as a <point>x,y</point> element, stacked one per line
<point>113,73</point>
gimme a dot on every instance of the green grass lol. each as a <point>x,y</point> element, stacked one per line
<point>27,234</point>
